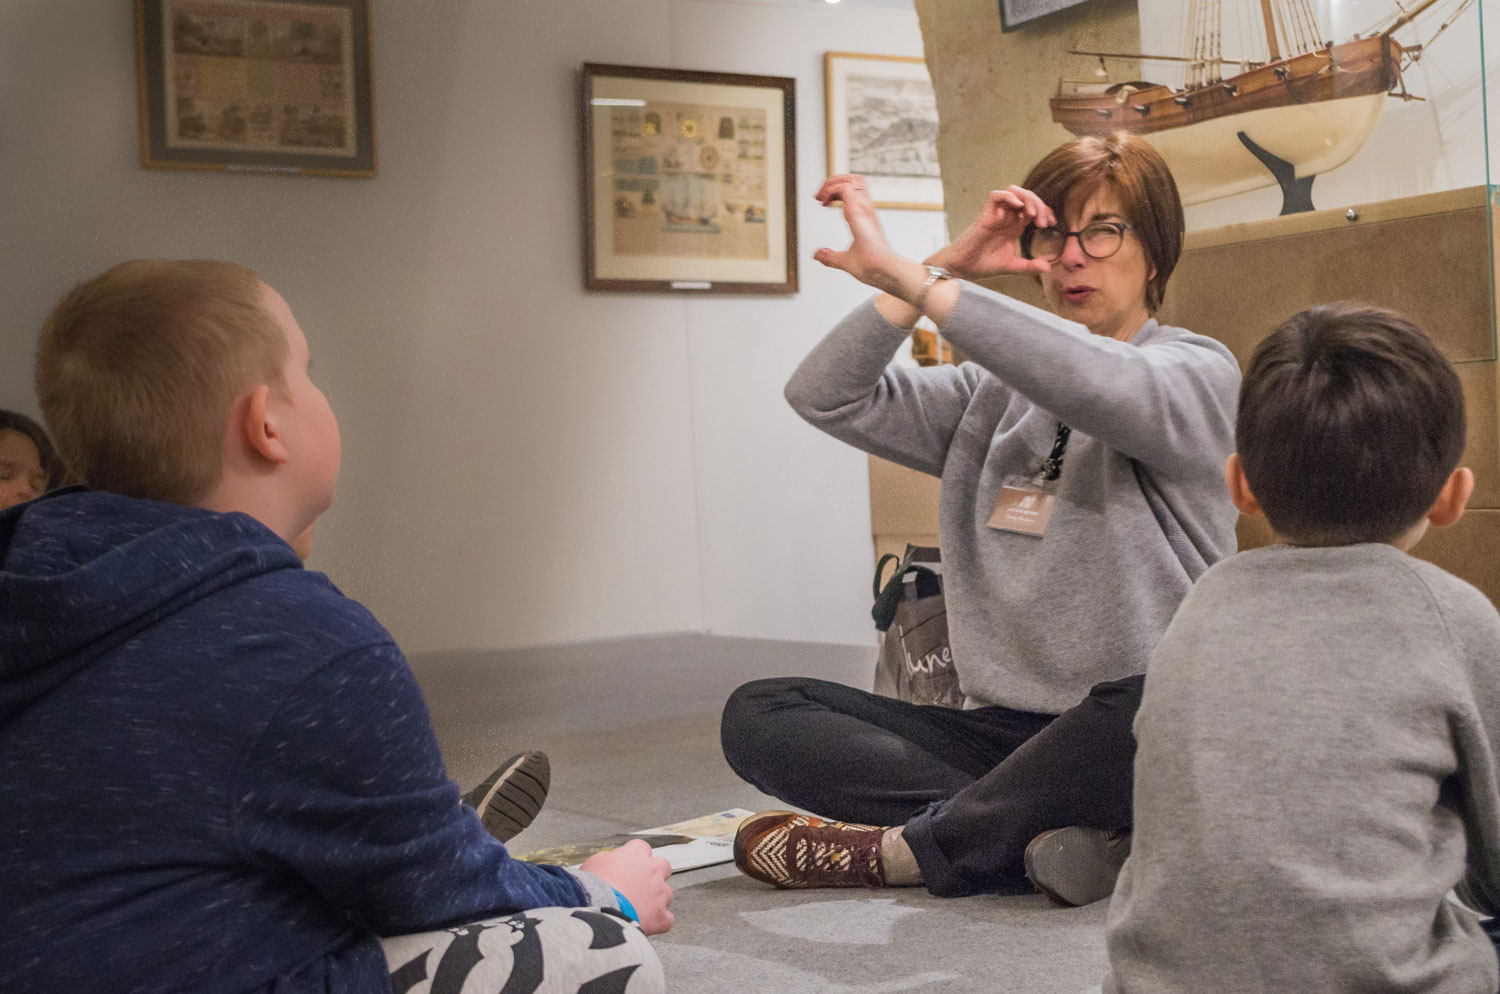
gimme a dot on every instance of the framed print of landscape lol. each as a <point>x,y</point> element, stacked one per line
<point>883,125</point>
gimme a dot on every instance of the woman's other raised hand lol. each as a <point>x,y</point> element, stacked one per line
<point>869,257</point>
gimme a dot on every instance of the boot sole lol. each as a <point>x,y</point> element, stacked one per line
<point>1071,866</point>
<point>512,801</point>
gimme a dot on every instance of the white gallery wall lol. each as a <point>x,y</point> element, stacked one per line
<point>524,462</point>
<point>781,504</point>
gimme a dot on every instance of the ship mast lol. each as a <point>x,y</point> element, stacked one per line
<point>1202,36</point>
<point>1205,53</point>
<point>1270,20</point>
<point>1296,20</point>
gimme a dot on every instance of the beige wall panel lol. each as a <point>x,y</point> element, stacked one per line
<point>1319,257</point>
<point>1221,286</point>
<point>1026,288</point>
<point>1253,532</point>
<point>896,545</point>
<point>1466,549</point>
<point>994,121</point>
<point>1469,550</point>
<point>1434,267</point>
<point>902,501</point>
<point>1482,453</point>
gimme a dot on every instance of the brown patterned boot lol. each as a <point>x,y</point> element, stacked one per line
<point>792,850</point>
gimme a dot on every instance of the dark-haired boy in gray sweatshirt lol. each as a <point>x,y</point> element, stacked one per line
<point>1318,738</point>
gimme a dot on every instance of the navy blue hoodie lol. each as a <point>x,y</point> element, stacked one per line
<point>216,772</point>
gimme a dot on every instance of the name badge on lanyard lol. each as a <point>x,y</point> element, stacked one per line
<point>1025,503</point>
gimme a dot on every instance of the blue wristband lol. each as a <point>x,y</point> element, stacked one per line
<point>627,907</point>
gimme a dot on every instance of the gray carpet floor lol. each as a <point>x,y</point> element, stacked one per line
<point>631,728</point>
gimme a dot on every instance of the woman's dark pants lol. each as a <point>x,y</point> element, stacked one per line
<point>972,788</point>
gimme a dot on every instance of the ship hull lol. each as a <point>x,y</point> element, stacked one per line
<point>1209,161</point>
<point>1314,110</point>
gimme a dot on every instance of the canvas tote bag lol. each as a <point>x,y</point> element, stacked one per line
<point>915,662</point>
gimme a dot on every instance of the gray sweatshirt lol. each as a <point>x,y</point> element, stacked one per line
<point>1316,770</point>
<point>1141,508</point>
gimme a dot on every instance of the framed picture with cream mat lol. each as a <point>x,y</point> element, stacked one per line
<point>269,86</point>
<point>882,124</point>
<point>689,181</point>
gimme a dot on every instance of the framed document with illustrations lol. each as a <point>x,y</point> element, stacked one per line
<point>264,86</point>
<point>689,181</point>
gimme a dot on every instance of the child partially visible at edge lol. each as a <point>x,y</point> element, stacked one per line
<point>216,772</point>
<point>27,466</point>
<point>1318,738</point>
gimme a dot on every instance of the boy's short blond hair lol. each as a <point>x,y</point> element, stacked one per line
<point>136,370</point>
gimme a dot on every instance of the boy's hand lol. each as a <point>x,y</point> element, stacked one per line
<point>641,877</point>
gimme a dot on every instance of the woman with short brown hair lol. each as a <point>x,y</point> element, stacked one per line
<point>1081,454</point>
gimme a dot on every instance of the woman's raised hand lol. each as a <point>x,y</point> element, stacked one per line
<point>869,258</point>
<point>992,244</point>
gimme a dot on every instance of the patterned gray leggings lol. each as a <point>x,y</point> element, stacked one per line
<point>543,951</point>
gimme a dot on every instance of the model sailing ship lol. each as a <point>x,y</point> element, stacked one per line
<point>1284,119</point>
<point>690,202</point>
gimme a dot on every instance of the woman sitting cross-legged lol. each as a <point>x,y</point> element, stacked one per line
<point>1081,455</point>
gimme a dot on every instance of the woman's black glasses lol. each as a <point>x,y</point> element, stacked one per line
<point>1099,240</point>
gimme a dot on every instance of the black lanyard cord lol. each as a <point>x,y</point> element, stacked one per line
<point>1051,467</point>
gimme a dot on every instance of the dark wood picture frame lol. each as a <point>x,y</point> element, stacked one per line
<point>1018,13</point>
<point>288,95</point>
<point>719,147</point>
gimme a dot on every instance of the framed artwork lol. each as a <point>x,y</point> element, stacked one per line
<point>1014,13</point>
<point>883,124</point>
<point>271,86</point>
<point>689,181</point>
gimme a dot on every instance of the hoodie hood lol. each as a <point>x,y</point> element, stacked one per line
<point>81,572</point>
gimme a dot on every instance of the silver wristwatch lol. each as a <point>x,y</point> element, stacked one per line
<point>934,273</point>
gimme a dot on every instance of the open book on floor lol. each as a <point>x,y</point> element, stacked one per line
<point>687,845</point>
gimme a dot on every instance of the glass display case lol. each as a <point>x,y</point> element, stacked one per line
<point>1267,107</point>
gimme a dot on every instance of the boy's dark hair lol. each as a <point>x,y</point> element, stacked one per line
<point>1350,422</point>
<point>46,455</point>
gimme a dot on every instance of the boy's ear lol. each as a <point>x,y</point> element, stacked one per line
<point>1239,487</point>
<point>258,426</point>
<point>1453,498</point>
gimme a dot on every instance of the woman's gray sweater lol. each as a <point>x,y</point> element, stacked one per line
<point>1141,511</point>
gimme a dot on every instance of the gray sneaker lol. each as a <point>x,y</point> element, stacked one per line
<point>1077,865</point>
<point>509,799</point>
